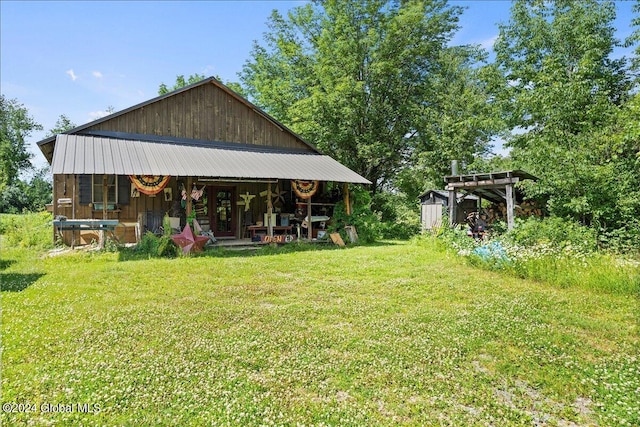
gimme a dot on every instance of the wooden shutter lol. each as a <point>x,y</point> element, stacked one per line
<point>124,188</point>
<point>84,185</point>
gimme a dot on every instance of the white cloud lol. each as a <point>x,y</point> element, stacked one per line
<point>97,74</point>
<point>488,43</point>
<point>95,115</point>
<point>72,74</point>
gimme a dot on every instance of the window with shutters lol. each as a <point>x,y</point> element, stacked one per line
<point>91,190</point>
<point>112,189</point>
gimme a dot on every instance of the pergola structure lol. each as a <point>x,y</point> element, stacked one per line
<point>494,186</point>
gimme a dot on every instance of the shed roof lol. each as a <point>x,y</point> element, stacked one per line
<point>488,185</point>
<point>91,154</point>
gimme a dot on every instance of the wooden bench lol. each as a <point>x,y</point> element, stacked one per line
<point>73,225</point>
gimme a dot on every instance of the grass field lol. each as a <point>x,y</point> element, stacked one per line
<point>394,334</point>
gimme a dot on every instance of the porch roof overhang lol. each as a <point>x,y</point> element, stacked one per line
<point>89,154</point>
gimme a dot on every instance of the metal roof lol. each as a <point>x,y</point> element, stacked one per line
<point>87,154</point>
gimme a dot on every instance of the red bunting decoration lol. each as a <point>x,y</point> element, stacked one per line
<point>150,184</point>
<point>305,189</point>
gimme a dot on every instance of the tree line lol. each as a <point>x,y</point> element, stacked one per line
<point>379,86</point>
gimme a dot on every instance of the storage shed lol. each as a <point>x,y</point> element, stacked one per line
<point>434,203</point>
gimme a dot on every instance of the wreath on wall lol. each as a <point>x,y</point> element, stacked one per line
<point>150,184</point>
<point>305,189</point>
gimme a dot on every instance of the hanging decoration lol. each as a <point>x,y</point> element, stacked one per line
<point>304,189</point>
<point>276,194</point>
<point>196,194</point>
<point>150,184</point>
<point>247,200</point>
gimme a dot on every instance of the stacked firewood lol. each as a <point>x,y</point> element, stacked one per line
<point>498,212</point>
<point>528,208</point>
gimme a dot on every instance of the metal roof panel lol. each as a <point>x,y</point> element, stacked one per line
<point>98,155</point>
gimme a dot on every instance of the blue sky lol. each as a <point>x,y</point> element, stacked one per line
<point>78,58</point>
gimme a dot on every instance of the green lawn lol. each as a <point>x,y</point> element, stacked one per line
<point>394,334</point>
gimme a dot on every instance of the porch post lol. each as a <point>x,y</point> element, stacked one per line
<point>453,202</point>
<point>309,222</point>
<point>510,206</point>
<point>189,205</point>
<point>105,199</point>
<point>73,206</point>
<point>269,210</point>
<point>347,196</point>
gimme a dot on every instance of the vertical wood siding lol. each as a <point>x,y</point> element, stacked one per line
<point>207,113</point>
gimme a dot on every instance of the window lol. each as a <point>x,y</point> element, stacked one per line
<point>112,189</point>
<point>90,190</point>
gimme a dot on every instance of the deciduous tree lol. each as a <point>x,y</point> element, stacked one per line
<point>363,79</point>
<point>560,85</point>
<point>15,126</point>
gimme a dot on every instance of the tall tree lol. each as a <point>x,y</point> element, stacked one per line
<point>355,77</point>
<point>180,83</point>
<point>15,126</point>
<point>559,85</point>
<point>634,38</point>
<point>63,124</point>
<point>195,78</point>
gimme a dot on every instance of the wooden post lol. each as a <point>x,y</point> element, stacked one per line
<point>453,205</point>
<point>346,197</point>
<point>510,206</point>
<point>73,208</point>
<point>105,199</point>
<point>269,210</point>
<point>309,222</point>
<point>55,204</point>
<point>189,204</point>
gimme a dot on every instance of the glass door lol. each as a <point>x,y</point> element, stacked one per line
<point>223,212</point>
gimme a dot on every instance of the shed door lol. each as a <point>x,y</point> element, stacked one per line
<point>223,211</point>
<point>431,216</point>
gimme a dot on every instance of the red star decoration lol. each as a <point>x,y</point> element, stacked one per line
<point>188,242</point>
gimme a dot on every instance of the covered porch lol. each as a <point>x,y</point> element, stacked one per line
<point>239,193</point>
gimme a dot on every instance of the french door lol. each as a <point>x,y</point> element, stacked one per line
<point>222,208</point>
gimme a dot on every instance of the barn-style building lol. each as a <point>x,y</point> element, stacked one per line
<point>201,151</point>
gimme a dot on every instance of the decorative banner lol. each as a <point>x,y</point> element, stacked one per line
<point>305,189</point>
<point>150,184</point>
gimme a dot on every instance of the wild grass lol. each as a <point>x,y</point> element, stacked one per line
<point>32,230</point>
<point>551,251</point>
<point>393,334</point>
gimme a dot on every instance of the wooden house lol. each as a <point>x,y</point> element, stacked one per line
<point>201,151</point>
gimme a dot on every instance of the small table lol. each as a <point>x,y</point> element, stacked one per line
<point>257,228</point>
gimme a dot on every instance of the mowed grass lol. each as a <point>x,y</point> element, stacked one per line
<point>394,334</point>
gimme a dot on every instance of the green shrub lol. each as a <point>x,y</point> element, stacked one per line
<point>367,224</point>
<point>153,246</point>
<point>399,217</point>
<point>621,240</point>
<point>32,230</point>
<point>558,232</point>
